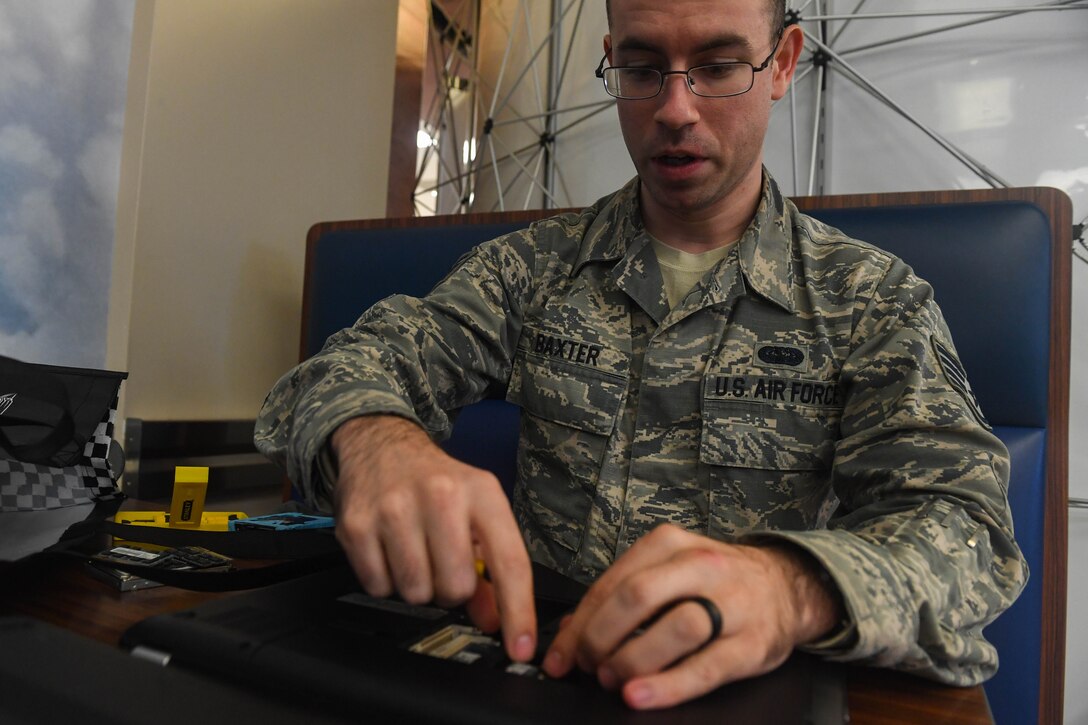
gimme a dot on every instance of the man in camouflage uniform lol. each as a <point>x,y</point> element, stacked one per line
<point>722,399</point>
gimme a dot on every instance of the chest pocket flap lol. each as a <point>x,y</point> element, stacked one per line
<point>566,381</point>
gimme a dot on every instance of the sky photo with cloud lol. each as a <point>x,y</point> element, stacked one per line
<point>63,71</point>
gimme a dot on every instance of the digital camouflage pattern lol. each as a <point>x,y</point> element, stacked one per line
<point>795,393</point>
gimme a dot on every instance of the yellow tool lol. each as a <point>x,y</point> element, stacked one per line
<point>190,487</point>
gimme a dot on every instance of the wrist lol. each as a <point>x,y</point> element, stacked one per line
<point>816,602</point>
<point>369,434</point>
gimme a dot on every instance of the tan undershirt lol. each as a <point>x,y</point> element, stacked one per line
<point>680,271</point>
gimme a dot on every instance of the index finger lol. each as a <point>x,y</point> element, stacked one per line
<point>511,574</point>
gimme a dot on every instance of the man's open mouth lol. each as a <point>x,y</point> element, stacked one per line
<point>676,160</point>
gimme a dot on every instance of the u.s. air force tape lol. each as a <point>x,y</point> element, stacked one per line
<point>957,378</point>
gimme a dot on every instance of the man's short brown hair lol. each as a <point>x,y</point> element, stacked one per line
<point>776,8</point>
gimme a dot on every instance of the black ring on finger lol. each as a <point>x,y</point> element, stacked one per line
<point>712,611</point>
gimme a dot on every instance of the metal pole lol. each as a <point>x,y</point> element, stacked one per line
<point>502,72</point>
<point>793,136</point>
<point>554,69</point>
<point>510,183</point>
<point>852,73</point>
<point>845,25</point>
<point>957,26</point>
<point>502,104</point>
<point>570,48</point>
<point>536,172</point>
<point>529,39</point>
<point>817,118</point>
<point>495,168</point>
<point>474,112</point>
<point>586,117</point>
<point>516,160</point>
<point>553,112</point>
<point>938,13</point>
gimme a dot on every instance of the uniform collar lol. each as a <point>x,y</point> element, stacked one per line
<point>616,228</point>
<point>764,250</point>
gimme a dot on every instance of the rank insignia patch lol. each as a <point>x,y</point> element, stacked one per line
<point>957,378</point>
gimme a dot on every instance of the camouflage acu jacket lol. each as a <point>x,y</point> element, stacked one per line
<point>800,391</point>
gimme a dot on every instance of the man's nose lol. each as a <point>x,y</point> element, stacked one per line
<point>677,105</point>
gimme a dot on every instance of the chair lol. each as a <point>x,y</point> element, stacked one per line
<point>999,261</point>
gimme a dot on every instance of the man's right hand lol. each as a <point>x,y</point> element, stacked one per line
<point>414,520</point>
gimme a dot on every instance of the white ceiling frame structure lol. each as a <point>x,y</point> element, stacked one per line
<point>474,136</point>
<point>474,133</point>
<point>825,55</point>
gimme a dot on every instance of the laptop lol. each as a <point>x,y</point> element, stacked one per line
<point>319,641</point>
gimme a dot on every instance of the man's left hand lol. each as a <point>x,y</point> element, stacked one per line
<point>771,598</point>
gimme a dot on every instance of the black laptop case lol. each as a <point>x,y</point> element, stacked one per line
<point>320,642</point>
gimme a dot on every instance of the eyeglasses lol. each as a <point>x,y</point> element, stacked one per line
<point>717,80</point>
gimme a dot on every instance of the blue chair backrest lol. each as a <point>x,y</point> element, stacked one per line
<point>990,264</point>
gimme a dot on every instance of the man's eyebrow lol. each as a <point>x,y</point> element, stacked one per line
<point>637,44</point>
<point>721,42</point>
<point>718,42</point>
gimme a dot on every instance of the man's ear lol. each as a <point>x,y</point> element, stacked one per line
<point>608,47</point>
<point>785,59</point>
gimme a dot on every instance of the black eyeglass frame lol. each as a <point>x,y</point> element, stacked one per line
<point>687,75</point>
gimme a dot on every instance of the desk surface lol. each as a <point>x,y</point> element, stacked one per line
<point>57,591</point>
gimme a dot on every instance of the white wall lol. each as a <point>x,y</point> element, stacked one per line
<point>247,122</point>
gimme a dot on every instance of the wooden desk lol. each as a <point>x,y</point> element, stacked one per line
<point>57,591</point>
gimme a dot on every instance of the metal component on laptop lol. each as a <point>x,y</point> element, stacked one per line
<point>151,655</point>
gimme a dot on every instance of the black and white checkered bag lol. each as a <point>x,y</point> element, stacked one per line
<point>56,436</point>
